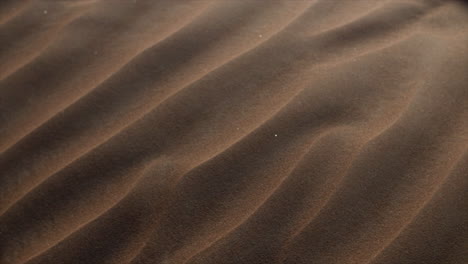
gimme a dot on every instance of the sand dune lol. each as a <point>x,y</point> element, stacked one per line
<point>225,131</point>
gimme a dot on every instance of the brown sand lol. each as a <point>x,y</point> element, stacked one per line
<point>234,131</point>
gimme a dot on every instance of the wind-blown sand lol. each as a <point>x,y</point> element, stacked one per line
<point>234,131</point>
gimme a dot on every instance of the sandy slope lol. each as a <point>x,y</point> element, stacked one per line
<point>234,131</point>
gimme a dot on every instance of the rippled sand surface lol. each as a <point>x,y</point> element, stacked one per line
<point>233,131</point>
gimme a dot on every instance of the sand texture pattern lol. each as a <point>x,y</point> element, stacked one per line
<point>233,132</point>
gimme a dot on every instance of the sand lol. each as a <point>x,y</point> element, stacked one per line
<point>234,131</point>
